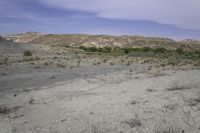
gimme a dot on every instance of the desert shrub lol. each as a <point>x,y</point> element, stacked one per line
<point>28,58</point>
<point>5,60</point>
<point>177,86</point>
<point>160,50</point>
<point>197,53</point>
<point>61,65</point>
<point>179,51</point>
<point>83,48</point>
<point>27,53</point>
<point>46,63</point>
<point>146,52</point>
<point>105,60</point>
<point>1,63</point>
<point>100,49</point>
<point>37,58</point>
<point>66,45</point>
<point>78,63</point>
<point>6,110</point>
<point>117,48</point>
<point>126,51</point>
<point>167,128</point>
<point>134,122</point>
<point>107,50</point>
<point>146,49</point>
<point>129,50</point>
<point>193,55</point>
<point>111,63</point>
<point>92,49</point>
<point>197,64</point>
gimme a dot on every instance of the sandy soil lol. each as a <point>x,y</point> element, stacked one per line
<point>98,99</point>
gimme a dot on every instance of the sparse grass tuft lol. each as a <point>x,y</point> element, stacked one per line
<point>78,63</point>
<point>134,122</point>
<point>27,53</point>
<point>151,90</point>
<point>105,60</point>
<point>28,58</point>
<point>48,63</point>
<point>5,60</point>
<point>6,110</point>
<point>159,74</point>
<point>133,102</point>
<point>31,101</point>
<point>61,65</point>
<point>96,129</point>
<point>194,101</point>
<point>71,67</point>
<point>128,63</point>
<point>111,63</point>
<point>52,77</point>
<point>167,128</point>
<point>178,86</point>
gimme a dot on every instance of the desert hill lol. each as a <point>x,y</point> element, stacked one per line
<point>11,47</point>
<point>76,40</point>
<point>190,41</point>
<point>112,41</point>
<point>8,46</point>
<point>24,37</point>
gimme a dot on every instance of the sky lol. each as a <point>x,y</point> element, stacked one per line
<point>176,19</point>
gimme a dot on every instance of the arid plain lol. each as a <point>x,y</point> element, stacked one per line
<point>91,88</point>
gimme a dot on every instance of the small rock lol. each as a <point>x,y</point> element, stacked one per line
<point>133,102</point>
<point>14,95</point>
<point>63,120</point>
<point>31,101</point>
<point>91,113</point>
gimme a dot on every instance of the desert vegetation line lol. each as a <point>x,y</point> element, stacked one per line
<point>146,52</point>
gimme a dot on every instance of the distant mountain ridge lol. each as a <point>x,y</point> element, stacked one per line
<point>76,40</point>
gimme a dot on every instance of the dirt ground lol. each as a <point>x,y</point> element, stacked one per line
<point>137,98</point>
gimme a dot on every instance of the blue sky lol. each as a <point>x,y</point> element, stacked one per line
<point>177,19</point>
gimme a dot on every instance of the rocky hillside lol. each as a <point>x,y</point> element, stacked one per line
<point>105,41</point>
<point>7,46</point>
<point>190,41</point>
<point>10,47</point>
<point>76,40</point>
<point>112,41</point>
<point>24,37</point>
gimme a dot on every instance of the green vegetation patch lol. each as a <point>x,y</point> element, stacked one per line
<point>146,52</point>
<point>27,53</point>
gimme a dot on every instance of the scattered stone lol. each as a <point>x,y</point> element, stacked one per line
<point>31,101</point>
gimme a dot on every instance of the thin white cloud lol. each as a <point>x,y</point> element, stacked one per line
<point>180,13</point>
